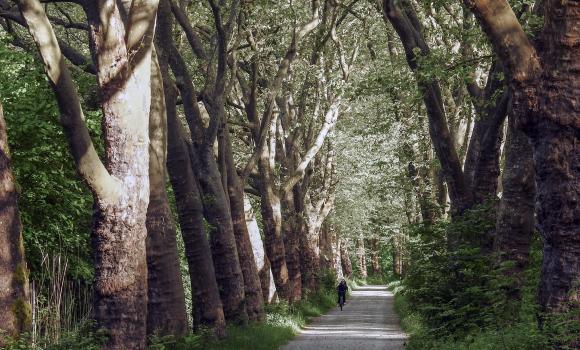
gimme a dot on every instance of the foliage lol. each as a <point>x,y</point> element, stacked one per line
<point>83,337</point>
<point>459,299</point>
<point>283,322</point>
<point>450,288</point>
<point>55,206</point>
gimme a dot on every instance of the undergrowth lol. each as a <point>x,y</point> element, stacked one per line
<point>283,322</point>
<point>458,299</point>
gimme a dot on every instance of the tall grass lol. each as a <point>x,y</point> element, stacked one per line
<point>58,303</point>
<point>60,309</point>
<point>62,319</point>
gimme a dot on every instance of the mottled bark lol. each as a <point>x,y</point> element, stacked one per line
<point>515,216</point>
<point>555,134</point>
<point>345,260</point>
<point>121,188</point>
<point>326,247</point>
<point>119,230</point>
<point>310,255</point>
<point>292,227</point>
<point>375,250</point>
<point>222,238</point>
<point>310,240</point>
<point>397,262</point>
<point>545,93</point>
<point>262,262</point>
<point>264,134</point>
<point>207,306</point>
<point>317,206</point>
<point>272,215</point>
<point>336,246</point>
<point>214,197</point>
<point>420,181</point>
<point>482,166</point>
<point>271,208</point>
<point>166,314</point>
<point>15,312</point>
<point>440,193</point>
<point>252,286</point>
<point>361,258</point>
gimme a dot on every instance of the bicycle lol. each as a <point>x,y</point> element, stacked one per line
<point>341,301</point>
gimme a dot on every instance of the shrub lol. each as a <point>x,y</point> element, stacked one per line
<point>459,298</point>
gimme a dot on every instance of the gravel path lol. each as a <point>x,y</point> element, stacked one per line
<point>367,322</point>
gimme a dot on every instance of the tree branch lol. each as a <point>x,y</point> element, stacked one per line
<point>86,158</point>
<point>329,122</point>
<point>277,85</point>
<point>499,22</point>
<point>190,34</point>
<point>74,56</point>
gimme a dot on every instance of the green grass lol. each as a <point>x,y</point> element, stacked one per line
<point>283,322</point>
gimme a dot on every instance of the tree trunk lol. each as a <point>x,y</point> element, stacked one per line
<point>15,312</point>
<point>336,245</point>
<point>420,182</point>
<point>292,227</point>
<point>440,193</point>
<point>326,247</point>
<point>253,288</point>
<point>262,262</point>
<point>375,250</point>
<point>515,216</point>
<point>361,258</point>
<point>166,299</point>
<point>121,188</point>
<point>315,217</point>
<point>397,256</point>
<point>557,159</point>
<point>345,260</point>
<point>482,166</point>
<point>214,196</point>
<point>207,306</point>
<point>546,104</point>
<point>408,28</point>
<point>222,238</point>
<point>310,254</point>
<point>556,140</point>
<point>119,230</point>
<point>272,216</point>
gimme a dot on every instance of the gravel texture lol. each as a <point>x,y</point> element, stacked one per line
<point>368,321</point>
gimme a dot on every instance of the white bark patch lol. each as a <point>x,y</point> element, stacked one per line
<point>258,245</point>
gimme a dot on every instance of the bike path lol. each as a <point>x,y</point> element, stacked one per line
<point>367,322</point>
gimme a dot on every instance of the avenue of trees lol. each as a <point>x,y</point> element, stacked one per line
<point>169,167</point>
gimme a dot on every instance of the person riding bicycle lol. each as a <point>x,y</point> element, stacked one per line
<point>341,289</point>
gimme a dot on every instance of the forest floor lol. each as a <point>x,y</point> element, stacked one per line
<point>368,321</point>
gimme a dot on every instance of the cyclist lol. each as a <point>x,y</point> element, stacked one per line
<point>341,289</point>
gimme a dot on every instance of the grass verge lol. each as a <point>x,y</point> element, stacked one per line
<point>283,322</point>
